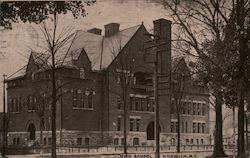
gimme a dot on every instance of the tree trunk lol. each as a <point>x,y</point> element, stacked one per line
<point>218,139</point>
<point>241,141</point>
<point>178,133</point>
<point>125,126</point>
<point>53,111</point>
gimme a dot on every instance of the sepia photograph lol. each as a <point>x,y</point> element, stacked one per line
<point>125,79</point>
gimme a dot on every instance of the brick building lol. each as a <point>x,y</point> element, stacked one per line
<point>96,76</point>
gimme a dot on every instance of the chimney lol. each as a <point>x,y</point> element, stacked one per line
<point>111,29</point>
<point>162,28</point>
<point>96,31</point>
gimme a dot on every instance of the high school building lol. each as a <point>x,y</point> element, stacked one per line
<point>96,76</point>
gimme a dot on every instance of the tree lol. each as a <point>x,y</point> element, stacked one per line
<point>179,85</point>
<point>206,31</point>
<point>39,12</point>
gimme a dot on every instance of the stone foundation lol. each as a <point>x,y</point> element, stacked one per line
<point>110,138</point>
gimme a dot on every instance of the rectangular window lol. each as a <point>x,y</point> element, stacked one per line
<point>116,141</point>
<point>82,100</point>
<point>44,141</point>
<point>186,127</point>
<point>194,108</point>
<point>82,73</point>
<point>203,109</point>
<point>201,141</point>
<point>49,141</point>
<point>118,124</point>
<point>188,108</point>
<point>137,124</point>
<point>172,127</point>
<point>194,127</point>
<point>182,127</point>
<point>118,102</point>
<point>79,141</point>
<point>176,127</point>
<point>198,127</point>
<point>148,104</point>
<point>143,104</point>
<point>131,123</point>
<point>90,100</point>
<point>136,141</point>
<point>198,109</point>
<point>203,128</point>
<point>132,102</point>
<point>137,104</point>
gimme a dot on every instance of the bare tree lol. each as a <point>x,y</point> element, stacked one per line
<point>206,30</point>
<point>38,12</point>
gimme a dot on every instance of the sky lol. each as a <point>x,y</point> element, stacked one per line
<point>16,44</point>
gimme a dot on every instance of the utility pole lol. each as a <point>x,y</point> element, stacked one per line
<point>157,132</point>
<point>4,119</point>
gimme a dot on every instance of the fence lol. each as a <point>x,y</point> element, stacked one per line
<point>112,149</point>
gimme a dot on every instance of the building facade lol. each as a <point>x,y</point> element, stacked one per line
<point>98,78</point>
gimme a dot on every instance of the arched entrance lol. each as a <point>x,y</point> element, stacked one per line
<point>32,131</point>
<point>151,130</point>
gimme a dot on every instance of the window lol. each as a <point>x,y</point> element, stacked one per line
<point>198,109</point>
<point>194,127</point>
<point>14,105</point>
<point>192,141</point>
<point>87,141</point>
<point>14,141</point>
<point>197,141</point>
<point>116,141</point>
<point>20,104</point>
<point>201,141</point>
<point>131,123</point>
<point>118,102</point>
<point>79,141</point>
<point>136,104</point>
<point>136,141</point>
<point>143,104</point>
<point>90,100</point>
<point>122,141</point>
<point>74,98</point>
<point>18,141</point>
<point>118,77</point>
<point>188,108</point>
<point>182,127</point>
<point>194,108</point>
<point>203,128</point>
<point>203,109</point>
<point>137,124</point>
<point>187,141</point>
<point>82,100</point>
<point>198,127</point>
<point>118,124</point>
<point>172,127</point>
<point>82,73</point>
<point>176,126</point>
<point>49,141</point>
<point>132,101</point>
<point>44,141</point>
<point>186,130</point>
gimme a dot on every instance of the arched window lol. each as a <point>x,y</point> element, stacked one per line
<point>32,131</point>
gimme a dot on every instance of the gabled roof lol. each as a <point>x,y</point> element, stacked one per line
<point>100,50</point>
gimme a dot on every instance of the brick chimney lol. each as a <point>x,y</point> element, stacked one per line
<point>96,31</point>
<point>111,29</point>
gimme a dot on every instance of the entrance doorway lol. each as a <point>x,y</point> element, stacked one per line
<point>32,131</point>
<point>151,131</point>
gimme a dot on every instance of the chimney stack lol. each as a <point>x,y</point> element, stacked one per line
<point>96,31</point>
<point>162,28</point>
<point>111,29</point>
